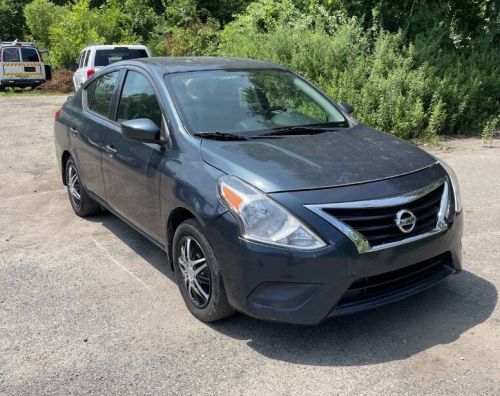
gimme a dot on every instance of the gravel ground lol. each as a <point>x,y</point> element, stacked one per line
<point>89,306</point>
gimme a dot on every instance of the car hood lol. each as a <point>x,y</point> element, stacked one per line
<point>340,157</point>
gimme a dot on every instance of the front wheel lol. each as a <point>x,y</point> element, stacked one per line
<point>80,201</point>
<point>198,274</point>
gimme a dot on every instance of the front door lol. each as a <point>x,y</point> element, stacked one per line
<point>132,169</point>
<point>88,133</point>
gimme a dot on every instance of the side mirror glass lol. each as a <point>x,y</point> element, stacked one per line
<point>348,109</point>
<point>141,130</point>
<point>72,66</point>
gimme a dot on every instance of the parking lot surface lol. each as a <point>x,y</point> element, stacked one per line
<point>90,306</point>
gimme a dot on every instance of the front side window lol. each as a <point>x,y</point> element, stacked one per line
<point>100,93</point>
<point>249,101</point>
<point>11,55</point>
<point>29,55</point>
<point>138,100</point>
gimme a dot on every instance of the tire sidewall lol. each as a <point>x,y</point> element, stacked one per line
<point>217,306</point>
<point>76,208</point>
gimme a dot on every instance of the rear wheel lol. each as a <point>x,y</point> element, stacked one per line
<point>198,274</point>
<point>80,201</point>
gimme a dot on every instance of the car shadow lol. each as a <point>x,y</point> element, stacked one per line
<point>142,246</point>
<point>439,315</point>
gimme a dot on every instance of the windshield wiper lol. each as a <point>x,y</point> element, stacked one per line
<point>221,136</point>
<point>304,129</point>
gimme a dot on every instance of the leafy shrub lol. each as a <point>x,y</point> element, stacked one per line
<point>77,30</point>
<point>412,90</point>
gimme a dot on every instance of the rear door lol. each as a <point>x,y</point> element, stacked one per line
<point>88,132</point>
<point>33,66</point>
<point>132,169</point>
<point>22,63</point>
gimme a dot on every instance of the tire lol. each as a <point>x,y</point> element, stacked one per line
<point>206,297</point>
<point>2,88</point>
<point>80,201</point>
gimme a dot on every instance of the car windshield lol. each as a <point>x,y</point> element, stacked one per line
<point>249,102</point>
<point>107,56</point>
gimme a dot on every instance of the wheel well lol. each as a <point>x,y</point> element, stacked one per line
<point>177,216</point>
<point>64,159</point>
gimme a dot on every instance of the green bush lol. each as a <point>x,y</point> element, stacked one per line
<point>413,90</point>
<point>77,30</point>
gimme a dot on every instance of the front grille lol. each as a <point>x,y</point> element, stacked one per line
<point>396,282</point>
<point>377,225</point>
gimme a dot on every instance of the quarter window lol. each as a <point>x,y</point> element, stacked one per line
<point>138,100</point>
<point>100,92</point>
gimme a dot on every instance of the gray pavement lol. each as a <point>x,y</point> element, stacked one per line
<point>90,306</point>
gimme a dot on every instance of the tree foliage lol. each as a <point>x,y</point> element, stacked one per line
<point>415,68</point>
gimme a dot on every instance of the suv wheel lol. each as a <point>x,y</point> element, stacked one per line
<point>81,202</point>
<point>198,274</point>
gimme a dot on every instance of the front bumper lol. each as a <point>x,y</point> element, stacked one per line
<point>277,284</point>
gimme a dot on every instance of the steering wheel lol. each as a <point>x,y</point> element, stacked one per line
<point>272,109</point>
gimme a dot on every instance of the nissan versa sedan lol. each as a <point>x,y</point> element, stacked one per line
<point>268,197</point>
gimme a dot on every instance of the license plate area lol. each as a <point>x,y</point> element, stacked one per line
<point>30,69</point>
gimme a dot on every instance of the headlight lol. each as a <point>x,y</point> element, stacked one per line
<point>262,219</point>
<point>454,185</point>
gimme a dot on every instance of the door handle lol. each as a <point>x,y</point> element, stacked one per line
<point>111,150</point>
<point>73,131</point>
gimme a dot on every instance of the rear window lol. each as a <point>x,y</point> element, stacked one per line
<point>11,55</point>
<point>106,57</point>
<point>29,55</point>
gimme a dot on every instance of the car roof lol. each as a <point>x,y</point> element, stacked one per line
<point>198,63</point>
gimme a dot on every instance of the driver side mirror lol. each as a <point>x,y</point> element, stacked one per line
<point>141,130</point>
<point>348,109</point>
<point>72,67</point>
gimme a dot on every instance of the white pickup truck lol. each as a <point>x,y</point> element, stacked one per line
<point>21,65</point>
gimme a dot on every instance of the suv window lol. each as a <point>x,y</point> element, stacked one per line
<point>86,59</point>
<point>11,55</point>
<point>100,92</point>
<point>138,100</point>
<point>29,55</point>
<point>82,57</point>
<point>108,56</point>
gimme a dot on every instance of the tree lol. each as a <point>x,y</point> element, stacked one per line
<point>40,16</point>
<point>11,20</point>
<point>77,30</point>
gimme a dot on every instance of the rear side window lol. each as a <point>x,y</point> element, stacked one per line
<point>138,100</point>
<point>29,55</point>
<point>11,55</point>
<point>108,56</point>
<point>100,92</point>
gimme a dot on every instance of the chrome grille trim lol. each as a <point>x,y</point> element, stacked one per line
<point>360,241</point>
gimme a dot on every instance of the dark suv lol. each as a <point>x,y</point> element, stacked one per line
<point>268,197</point>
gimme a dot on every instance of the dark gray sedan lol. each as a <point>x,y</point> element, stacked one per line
<point>267,196</point>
